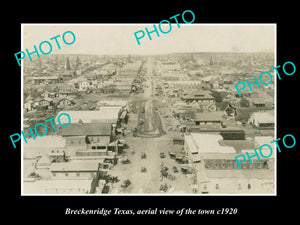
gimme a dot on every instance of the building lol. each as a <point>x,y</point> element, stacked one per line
<point>216,170</point>
<point>201,146</point>
<point>112,103</point>
<point>67,93</point>
<point>43,145</point>
<point>46,80</point>
<point>236,182</point>
<point>62,102</point>
<point>106,114</point>
<point>258,102</point>
<point>60,186</point>
<point>44,161</point>
<point>86,137</point>
<point>77,170</point>
<point>186,83</point>
<point>209,119</point>
<point>198,96</point>
<point>170,66</point>
<point>262,120</point>
<point>28,105</point>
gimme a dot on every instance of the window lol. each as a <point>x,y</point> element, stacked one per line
<point>217,186</point>
<point>78,174</point>
<point>204,186</point>
<point>66,174</point>
<point>249,186</point>
<point>54,174</point>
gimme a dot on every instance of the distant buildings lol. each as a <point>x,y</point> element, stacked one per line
<point>46,80</point>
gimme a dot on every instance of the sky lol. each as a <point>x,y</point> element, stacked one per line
<point>110,39</point>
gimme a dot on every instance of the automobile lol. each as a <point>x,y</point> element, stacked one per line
<point>123,141</point>
<point>163,187</point>
<point>186,170</point>
<point>125,161</point>
<point>162,155</point>
<point>126,183</point>
<point>175,170</point>
<point>144,156</point>
<point>172,155</point>
<point>141,122</point>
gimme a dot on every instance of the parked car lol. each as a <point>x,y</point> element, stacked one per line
<point>175,169</point>
<point>144,156</point>
<point>126,183</point>
<point>162,155</point>
<point>125,161</point>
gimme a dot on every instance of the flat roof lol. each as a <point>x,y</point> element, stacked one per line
<point>206,143</point>
<point>76,166</point>
<point>48,141</point>
<point>209,116</point>
<point>101,129</point>
<point>261,174</point>
<point>104,113</point>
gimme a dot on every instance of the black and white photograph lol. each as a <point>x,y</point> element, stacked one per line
<point>161,118</point>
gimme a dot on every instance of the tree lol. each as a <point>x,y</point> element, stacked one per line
<point>244,102</point>
<point>243,115</point>
<point>190,114</point>
<point>217,95</point>
<point>78,63</point>
<point>222,105</point>
<point>68,67</point>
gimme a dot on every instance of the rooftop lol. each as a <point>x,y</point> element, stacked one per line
<point>101,129</point>
<point>47,141</point>
<point>104,113</point>
<point>90,165</point>
<point>46,78</point>
<point>206,143</point>
<point>265,174</point>
<point>198,95</point>
<point>209,116</point>
<point>264,117</point>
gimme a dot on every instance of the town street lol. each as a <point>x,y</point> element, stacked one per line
<point>156,141</point>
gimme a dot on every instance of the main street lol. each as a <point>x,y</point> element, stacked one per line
<point>154,142</point>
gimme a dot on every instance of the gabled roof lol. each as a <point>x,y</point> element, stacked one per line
<point>258,101</point>
<point>195,94</point>
<point>209,116</point>
<point>264,117</point>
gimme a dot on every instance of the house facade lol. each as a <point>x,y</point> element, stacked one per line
<point>88,136</point>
